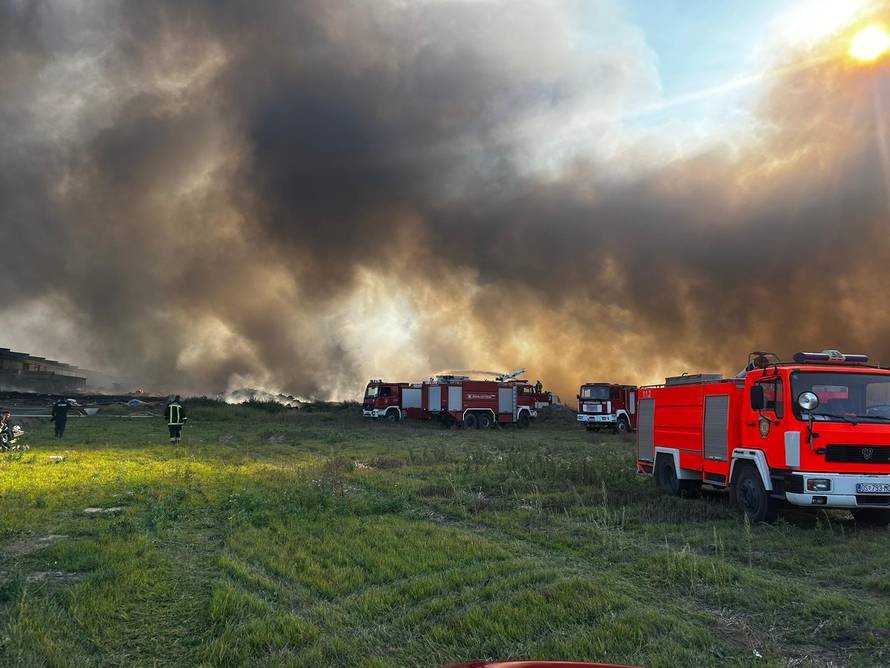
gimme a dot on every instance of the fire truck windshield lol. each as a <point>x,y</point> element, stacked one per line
<point>844,395</point>
<point>371,392</point>
<point>595,392</point>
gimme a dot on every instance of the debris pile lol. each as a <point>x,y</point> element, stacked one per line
<point>250,394</point>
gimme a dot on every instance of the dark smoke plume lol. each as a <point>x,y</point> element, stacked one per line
<point>303,195</point>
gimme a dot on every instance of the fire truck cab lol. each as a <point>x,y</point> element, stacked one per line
<point>814,432</point>
<point>383,400</point>
<point>608,406</point>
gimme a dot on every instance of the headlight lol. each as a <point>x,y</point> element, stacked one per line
<point>818,485</point>
<point>808,400</point>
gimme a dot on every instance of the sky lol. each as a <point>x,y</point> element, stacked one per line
<point>300,196</point>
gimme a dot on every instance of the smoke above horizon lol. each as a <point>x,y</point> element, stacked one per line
<point>301,196</point>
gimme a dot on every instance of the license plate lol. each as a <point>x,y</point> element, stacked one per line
<point>873,487</point>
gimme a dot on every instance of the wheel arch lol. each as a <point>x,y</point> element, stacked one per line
<point>748,457</point>
<point>480,410</point>
<point>674,454</point>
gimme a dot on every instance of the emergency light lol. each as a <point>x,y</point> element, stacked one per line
<point>830,356</point>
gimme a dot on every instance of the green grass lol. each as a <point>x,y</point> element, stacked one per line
<point>313,538</point>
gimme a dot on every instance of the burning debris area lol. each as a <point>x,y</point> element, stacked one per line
<point>251,395</point>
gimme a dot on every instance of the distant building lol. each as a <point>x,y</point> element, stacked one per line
<point>21,372</point>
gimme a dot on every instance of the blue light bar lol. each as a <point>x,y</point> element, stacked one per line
<point>858,359</point>
<point>830,356</point>
<point>811,357</point>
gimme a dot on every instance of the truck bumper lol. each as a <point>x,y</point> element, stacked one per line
<point>843,492</point>
<point>595,418</point>
<point>374,413</point>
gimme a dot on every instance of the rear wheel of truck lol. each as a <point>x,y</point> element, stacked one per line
<point>622,426</point>
<point>751,496</point>
<point>666,476</point>
<point>471,421</point>
<point>876,517</point>
<point>485,421</point>
<point>691,489</point>
<point>523,421</point>
<point>393,415</point>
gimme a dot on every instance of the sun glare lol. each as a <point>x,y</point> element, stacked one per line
<point>869,44</point>
<point>809,22</point>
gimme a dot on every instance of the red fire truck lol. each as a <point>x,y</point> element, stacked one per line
<point>384,400</point>
<point>477,404</point>
<point>814,432</point>
<point>608,406</point>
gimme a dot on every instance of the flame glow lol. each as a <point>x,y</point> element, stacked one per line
<point>869,44</point>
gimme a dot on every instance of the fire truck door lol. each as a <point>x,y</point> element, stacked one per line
<point>762,428</point>
<point>506,400</point>
<point>455,398</point>
<point>434,398</point>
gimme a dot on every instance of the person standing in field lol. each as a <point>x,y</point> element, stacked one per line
<point>60,416</point>
<point>175,416</point>
<point>5,429</point>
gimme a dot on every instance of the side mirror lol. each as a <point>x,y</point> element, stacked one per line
<point>758,403</point>
<point>807,400</point>
<point>577,396</point>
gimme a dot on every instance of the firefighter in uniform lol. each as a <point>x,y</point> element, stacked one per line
<point>175,416</point>
<point>5,429</point>
<point>60,416</point>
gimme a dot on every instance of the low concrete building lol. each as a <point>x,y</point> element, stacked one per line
<point>21,372</point>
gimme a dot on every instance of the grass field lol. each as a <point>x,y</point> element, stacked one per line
<point>316,539</point>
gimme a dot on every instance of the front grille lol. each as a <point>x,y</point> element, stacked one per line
<point>871,500</point>
<point>858,454</point>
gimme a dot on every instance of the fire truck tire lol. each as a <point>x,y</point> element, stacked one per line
<point>484,420</point>
<point>523,421</point>
<point>691,489</point>
<point>751,496</point>
<point>393,415</point>
<point>876,517</point>
<point>622,426</point>
<point>666,476</point>
<point>471,421</point>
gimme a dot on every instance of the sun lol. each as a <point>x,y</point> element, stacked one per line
<point>869,44</point>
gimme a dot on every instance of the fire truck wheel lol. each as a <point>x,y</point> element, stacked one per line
<point>752,497</point>
<point>523,421</point>
<point>622,426</point>
<point>666,476</point>
<point>471,421</point>
<point>392,415</point>
<point>484,421</point>
<point>691,489</point>
<point>876,517</point>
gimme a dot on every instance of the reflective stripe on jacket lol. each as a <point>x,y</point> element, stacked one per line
<point>174,414</point>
